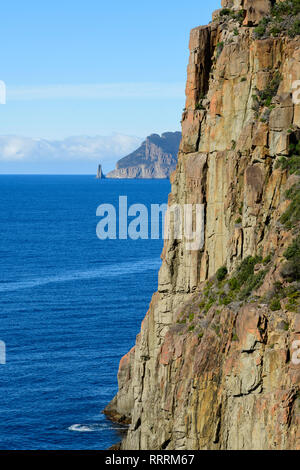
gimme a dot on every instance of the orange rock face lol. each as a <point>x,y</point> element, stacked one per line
<point>207,374</point>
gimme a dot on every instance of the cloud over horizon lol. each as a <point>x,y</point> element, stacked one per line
<point>26,153</point>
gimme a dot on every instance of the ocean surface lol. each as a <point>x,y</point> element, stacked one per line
<point>71,306</point>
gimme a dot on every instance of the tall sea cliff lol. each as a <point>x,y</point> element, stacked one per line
<point>212,367</point>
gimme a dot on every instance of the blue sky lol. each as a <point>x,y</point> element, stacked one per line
<point>94,68</point>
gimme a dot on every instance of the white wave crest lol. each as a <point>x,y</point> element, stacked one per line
<point>113,270</point>
<point>94,427</point>
<point>80,428</point>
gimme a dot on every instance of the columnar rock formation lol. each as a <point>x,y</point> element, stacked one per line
<point>212,365</point>
<point>155,158</point>
<point>100,174</point>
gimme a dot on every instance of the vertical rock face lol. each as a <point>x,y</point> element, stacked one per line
<point>212,368</point>
<point>254,10</point>
<point>100,174</point>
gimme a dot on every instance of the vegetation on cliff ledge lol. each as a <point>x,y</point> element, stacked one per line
<point>223,290</point>
<point>227,14</point>
<point>291,269</point>
<point>242,286</point>
<point>291,163</point>
<point>284,19</point>
<point>291,217</point>
<point>263,98</point>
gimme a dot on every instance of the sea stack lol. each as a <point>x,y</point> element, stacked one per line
<point>100,175</point>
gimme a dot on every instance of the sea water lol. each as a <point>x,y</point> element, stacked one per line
<point>71,306</point>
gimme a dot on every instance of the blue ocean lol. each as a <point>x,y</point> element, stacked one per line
<point>71,306</point>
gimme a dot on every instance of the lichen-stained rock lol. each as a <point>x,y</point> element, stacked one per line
<point>120,409</point>
<point>256,10</point>
<point>216,373</point>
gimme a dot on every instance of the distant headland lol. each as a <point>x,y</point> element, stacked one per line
<point>156,158</point>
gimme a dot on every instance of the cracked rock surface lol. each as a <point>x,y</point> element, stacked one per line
<point>208,374</point>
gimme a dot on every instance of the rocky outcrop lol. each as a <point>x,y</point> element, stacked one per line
<point>155,158</point>
<point>100,174</point>
<point>254,10</point>
<point>212,365</point>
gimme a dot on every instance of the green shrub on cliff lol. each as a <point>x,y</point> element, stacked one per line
<point>293,250</point>
<point>216,328</point>
<point>253,283</point>
<point>234,335</point>
<point>209,304</point>
<point>263,98</point>
<point>219,49</point>
<point>191,317</point>
<point>291,216</point>
<point>282,9</point>
<point>227,14</point>
<point>267,260</point>
<point>293,302</point>
<point>286,326</point>
<point>239,287</point>
<point>222,273</point>
<point>292,161</point>
<point>199,106</point>
<point>294,29</point>
<point>291,269</point>
<point>233,284</point>
<point>246,269</point>
<point>275,305</point>
<point>260,30</point>
<point>283,19</point>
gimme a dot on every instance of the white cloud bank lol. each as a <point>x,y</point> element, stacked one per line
<point>97,91</point>
<point>81,147</point>
<point>90,150</point>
